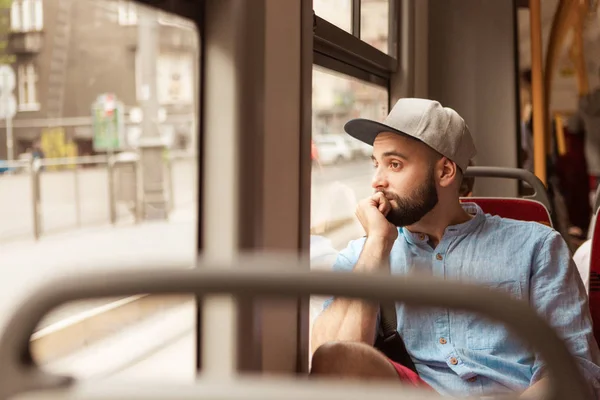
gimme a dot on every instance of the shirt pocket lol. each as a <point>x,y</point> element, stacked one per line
<point>484,333</point>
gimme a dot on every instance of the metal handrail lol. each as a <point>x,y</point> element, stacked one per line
<point>15,163</point>
<point>540,194</point>
<point>70,161</point>
<point>264,277</point>
<point>182,155</point>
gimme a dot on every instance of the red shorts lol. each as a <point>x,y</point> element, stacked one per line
<point>409,377</point>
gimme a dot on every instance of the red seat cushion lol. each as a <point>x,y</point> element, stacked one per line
<point>514,208</point>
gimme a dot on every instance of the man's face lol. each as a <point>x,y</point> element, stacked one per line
<point>404,173</point>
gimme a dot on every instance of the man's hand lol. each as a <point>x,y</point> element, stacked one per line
<point>371,213</point>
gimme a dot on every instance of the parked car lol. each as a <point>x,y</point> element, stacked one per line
<point>359,149</point>
<point>332,149</point>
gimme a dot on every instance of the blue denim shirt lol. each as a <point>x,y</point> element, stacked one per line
<point>460,353</point>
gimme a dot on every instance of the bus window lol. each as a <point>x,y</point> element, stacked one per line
<point>99,168</point>
<point>341,173</point>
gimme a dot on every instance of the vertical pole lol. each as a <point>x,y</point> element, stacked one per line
<point>77,194</point>
<point>9,131</point>
<point>577,55</point>
<point>136,192</point>
<point>111,190</point>
<point>35,196</point>
<point>169,164</point>
<point>356,18</point>
<point>537,90</point>
<point>151,146</point>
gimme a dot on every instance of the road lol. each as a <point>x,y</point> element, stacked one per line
<point>342,172</point>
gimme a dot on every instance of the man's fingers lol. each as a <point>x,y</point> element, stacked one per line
<point>382,203</point>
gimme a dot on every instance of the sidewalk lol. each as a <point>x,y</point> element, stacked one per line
<point>26,264</point>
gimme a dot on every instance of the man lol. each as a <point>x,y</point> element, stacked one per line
<point>414,223</point>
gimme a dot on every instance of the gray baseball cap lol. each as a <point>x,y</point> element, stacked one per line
<point>441,128</point>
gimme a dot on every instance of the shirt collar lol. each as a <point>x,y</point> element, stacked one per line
<point>452,230</point>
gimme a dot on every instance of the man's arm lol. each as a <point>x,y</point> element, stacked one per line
<point>536,391</point>
<point>558,295</point>
<point>352,319</point>
<point>356,319</point>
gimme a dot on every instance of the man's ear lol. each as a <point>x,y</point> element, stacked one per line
<point>449,172</point>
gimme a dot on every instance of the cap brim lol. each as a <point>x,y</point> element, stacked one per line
<point>367,130</point>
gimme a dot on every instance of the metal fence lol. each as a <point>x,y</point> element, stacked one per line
<point>40,197</point>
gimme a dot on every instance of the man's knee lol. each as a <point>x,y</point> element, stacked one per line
<point>351,359</point>
<point>330,357</point>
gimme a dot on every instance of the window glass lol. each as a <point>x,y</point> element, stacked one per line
<point>338,12</point>
<point>27,95</point>
<point>98,170</point>
<point>374,23</point>
<point>341,169</point>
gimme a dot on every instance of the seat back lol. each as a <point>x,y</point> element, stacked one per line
<point>596,207</point>
<point>532,208</point>
<point>594,282</point>
<point>514,208</point>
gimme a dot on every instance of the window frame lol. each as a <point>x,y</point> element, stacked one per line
<point>346,53</point>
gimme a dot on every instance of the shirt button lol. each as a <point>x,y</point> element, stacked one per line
<point>473,379</point>
<point>453,361</point>
<point>443,341</point>
<point>439,256</point>
<point>421,237</point>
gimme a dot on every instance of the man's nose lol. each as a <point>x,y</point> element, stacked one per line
<point>379,180</point>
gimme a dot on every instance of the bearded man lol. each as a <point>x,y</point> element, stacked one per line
<point>415,223</point>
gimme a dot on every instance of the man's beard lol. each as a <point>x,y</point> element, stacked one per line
<point>409,210</point>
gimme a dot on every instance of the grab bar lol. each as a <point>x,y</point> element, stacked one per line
<point>262,277</point>
<point>514,173</point>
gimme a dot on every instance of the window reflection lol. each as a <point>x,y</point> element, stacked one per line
<point>374,19</point>
<point>341,172</point>
<point>341,169</point>
<point>374,23</point>
<point>338,12</point>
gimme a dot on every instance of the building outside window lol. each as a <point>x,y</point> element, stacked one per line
<point>27,81</point>
<point>26,16</point>
<point>127,12</point>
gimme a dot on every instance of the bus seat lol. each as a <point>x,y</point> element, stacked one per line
<point>594,282</point>
<point>514,208</point>
<point>595,207</point>
<point>534,207</point>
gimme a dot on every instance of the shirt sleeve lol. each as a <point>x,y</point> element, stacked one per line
<point>345,261</point>
<point>558,295</point>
